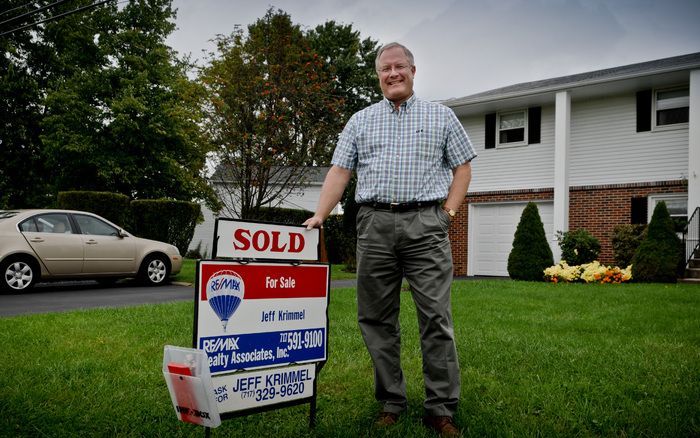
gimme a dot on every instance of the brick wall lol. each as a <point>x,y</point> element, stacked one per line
<point>598,209</point>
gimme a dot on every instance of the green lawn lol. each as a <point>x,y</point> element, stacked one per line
<point>537,359</point>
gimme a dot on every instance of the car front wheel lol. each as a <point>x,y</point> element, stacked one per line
<point>18,275</point>
<point>155,270</point>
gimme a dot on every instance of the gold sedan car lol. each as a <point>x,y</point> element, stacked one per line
<point>65,244</point>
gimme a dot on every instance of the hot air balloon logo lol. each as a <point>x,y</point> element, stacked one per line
<point>225,290</point>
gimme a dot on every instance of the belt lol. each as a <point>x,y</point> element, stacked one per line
<point>400,206</point>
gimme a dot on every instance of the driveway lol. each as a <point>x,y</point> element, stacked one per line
<point>63,296</point>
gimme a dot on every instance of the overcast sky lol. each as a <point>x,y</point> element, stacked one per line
<point>464,47</point>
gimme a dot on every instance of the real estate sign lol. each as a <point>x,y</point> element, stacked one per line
<point>261,316</point>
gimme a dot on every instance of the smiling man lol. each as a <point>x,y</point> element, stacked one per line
<point>412,159</point>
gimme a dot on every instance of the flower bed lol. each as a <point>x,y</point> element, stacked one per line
<point>592,272</point>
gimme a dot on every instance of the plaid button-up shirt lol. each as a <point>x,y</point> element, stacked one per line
<point>403,155</point>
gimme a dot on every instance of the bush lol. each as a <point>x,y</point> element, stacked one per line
<point>531,253</point>
<point>166,220</point>
<point>626,239</point>
<point>112,206</point>
<point>286,216</point>
<point>578,247</point>
<point>659,257</point>
<point>339,243</point>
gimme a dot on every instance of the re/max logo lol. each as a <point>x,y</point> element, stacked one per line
<point>192,412</point>
<point>220,344</point>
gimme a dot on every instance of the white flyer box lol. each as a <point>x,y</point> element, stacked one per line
<point>257,240</point>
<point>186,373</point>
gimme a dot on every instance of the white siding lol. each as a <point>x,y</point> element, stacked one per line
<point>606,149</point>
<point>520,167</point>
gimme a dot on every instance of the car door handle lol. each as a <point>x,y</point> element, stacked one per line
<point>91,242</point>
<point>36,239</point>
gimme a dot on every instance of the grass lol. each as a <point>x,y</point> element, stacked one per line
<point>189,266</point>
<point>537,359</point>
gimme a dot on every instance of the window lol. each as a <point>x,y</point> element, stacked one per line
<point>57,223</point>
<point>671,106</point>
<point>94,226</point>
<point>512,128</point>
<point>677,206</point>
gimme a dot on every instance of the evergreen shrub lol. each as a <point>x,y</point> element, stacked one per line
<point>165,220</point>
<point>626,238</point>
<point>112,206</point>
<point>659,258</point>
<point>578,246</point>
<point>531,253</point>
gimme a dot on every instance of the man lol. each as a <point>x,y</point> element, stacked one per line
<point>412,159</point>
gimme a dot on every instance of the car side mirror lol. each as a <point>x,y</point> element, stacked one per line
<point>121,233</point>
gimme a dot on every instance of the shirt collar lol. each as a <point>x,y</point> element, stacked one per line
<point>406,105</point>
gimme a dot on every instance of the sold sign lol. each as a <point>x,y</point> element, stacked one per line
<point>254,240</point>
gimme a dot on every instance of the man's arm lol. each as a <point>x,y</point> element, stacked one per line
<point>331,192</point>
<point>462,176</point>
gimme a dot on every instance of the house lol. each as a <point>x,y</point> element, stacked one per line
<point>305,198</point>
<point>593,150</point>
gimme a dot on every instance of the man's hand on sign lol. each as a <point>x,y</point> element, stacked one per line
<point>313,222</point>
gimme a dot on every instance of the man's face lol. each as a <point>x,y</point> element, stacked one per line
<point>396,75</point>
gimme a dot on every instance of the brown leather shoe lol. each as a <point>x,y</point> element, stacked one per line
<point>444,426</point>
<point>386,419</point>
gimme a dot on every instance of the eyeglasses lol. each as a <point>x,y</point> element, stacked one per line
<point>399,68</point>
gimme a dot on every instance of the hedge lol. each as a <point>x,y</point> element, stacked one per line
<point>112,206</point>
<point>165,220</point>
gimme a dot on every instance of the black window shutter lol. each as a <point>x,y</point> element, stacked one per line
<point>490,131</point>
<point>643,110</point>
<point>638,213</point>
<point>534,119</point>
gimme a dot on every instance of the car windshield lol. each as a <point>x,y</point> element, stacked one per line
<point>6,214</point>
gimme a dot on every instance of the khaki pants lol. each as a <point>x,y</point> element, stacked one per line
<point>414,244</point>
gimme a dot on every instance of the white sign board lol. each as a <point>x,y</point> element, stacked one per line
<point>254,389</point>
<point>253,240</point>
<point>261,315</point>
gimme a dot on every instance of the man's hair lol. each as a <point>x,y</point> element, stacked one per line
<point>381,50</point>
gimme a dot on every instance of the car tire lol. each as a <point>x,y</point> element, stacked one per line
<point>155,270</point>
<point>19,274</point>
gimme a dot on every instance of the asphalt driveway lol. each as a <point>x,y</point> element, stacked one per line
<point>64,296</point>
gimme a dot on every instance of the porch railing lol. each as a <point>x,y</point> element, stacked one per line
<point>691,235</point>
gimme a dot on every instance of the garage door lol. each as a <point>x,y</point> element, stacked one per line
<point>491,231</point>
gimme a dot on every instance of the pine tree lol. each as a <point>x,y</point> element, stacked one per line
<point>531,253</point>
<point>659,257</point>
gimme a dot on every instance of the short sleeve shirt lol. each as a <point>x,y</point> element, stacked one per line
<point>403,155</point>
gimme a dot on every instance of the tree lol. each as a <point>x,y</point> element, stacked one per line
<point>350,63</point>
<point>112,101</point>
<point>131,123</point>
<point>22,171</point>
<point>660,256</point>
<point>531,253</point>
<point>271,114</point>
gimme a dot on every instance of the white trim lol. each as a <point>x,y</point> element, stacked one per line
<point>562,147</point>
<point>694,141</point>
